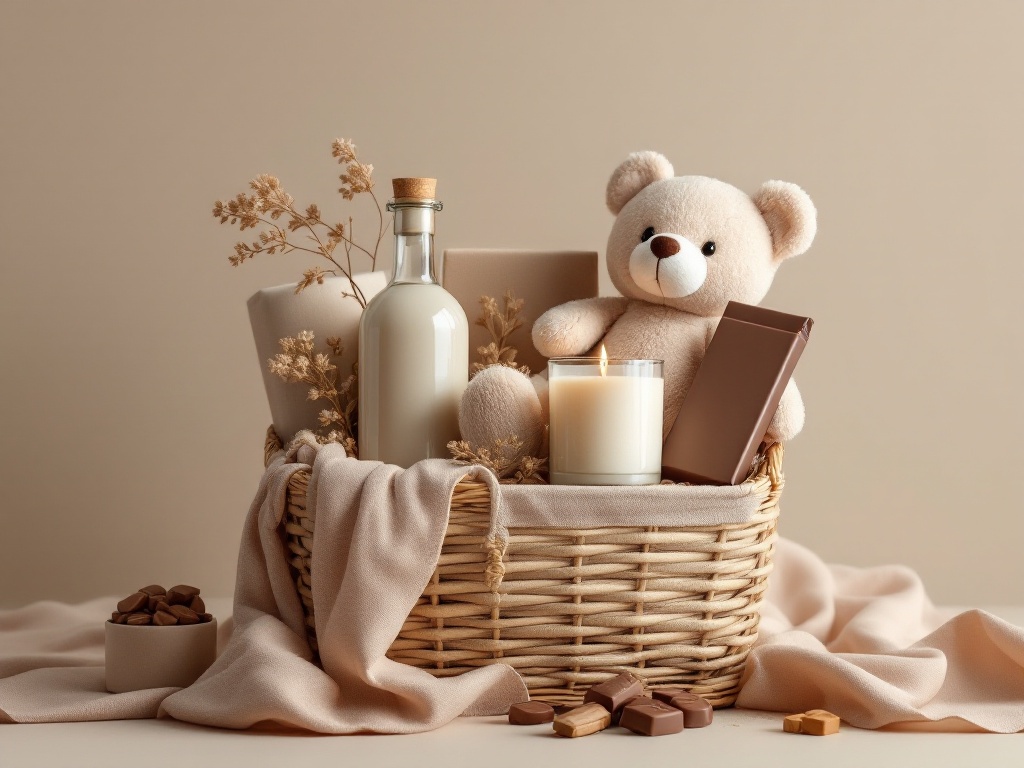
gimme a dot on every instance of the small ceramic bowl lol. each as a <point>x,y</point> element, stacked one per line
<point>148,656</point>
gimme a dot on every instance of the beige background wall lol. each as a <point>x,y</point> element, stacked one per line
<point>131,400</point>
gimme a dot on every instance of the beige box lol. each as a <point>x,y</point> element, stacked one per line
<point>140,657</point>
<point>544,279</point>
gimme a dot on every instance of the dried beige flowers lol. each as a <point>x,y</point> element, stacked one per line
<point>504,458</point>
<point>500,324</point>
<point>269,203</point>
<point>298,361</point>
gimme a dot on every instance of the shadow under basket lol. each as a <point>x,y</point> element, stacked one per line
<point>677,607</point>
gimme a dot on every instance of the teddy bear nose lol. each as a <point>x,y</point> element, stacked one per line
<point>663,247</point>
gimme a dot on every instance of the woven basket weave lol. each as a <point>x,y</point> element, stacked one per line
<point>675,606</point>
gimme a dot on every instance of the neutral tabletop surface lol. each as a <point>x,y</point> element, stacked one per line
<point>736,738</point>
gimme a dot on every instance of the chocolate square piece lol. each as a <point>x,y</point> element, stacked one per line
<point>818,722</point>
<point>652,718</point>
<point>665,695</point>
<point>793,723</point>
<point>617,714</point>
<point>530,713</point>
<point>613,694</point>
<point>697,712</point>
<point>582,721</point>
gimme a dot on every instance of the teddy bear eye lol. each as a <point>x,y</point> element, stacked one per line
<point>647,235</point>
<point>708,249</point>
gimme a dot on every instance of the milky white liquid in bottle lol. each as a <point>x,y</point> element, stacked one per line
<point>413,346</point>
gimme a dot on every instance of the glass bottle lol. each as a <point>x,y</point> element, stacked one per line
<point>413,345</point>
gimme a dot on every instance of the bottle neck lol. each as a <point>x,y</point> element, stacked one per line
<point>414,258</point>
<point>414,241</point>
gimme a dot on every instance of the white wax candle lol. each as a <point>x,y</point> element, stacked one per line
<point>605,429</point>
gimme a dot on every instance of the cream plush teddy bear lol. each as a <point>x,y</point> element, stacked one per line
<point>680,249</point>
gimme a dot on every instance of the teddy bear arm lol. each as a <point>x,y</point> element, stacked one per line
<point>789,417</point>
<point>575,327</point>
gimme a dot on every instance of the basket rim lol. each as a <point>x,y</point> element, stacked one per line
<point>768,465</point>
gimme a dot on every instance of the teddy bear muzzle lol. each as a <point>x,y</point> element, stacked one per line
<point>668,266</point>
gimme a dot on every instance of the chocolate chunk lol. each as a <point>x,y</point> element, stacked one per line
<point>818,722</point>
<point>665,695</point>
<point>697,712</point>
<point>184,614</point>
<point>164,619</point>
<point>582,721</point>
<point>651,718</point>
<point>617,714</point>
<point>184,589</point>
<point>530,713</point>
<point>613,694</point>
<point>179,605</point>
<point>792,724</point>
<point>133,602</point>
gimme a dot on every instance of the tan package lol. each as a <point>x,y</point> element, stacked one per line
<point>278,312</point>
<point>544,279</point>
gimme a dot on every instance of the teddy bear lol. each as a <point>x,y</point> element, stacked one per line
<point>680,249</point>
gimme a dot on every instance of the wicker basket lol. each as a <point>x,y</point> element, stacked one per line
<point>675,606</point>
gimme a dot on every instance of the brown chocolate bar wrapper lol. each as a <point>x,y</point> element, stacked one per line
<point>734,395</point>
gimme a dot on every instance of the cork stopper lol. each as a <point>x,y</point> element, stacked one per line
<point>417,189</point>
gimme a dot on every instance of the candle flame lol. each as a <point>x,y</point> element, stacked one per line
<point>604,361</point>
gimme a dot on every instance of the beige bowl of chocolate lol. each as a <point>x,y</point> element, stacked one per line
<point>151,656</point>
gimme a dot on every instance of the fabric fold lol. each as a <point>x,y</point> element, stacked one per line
<point>865,643</point>
<point>379,531</point>
<point>868,645</point>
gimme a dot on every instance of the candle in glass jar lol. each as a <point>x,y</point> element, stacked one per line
<point>606,421</point>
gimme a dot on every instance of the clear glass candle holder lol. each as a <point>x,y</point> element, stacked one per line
<point>606,421</point>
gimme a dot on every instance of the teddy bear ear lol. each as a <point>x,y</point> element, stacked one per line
<point>636,172</point>
<point>790,215</point>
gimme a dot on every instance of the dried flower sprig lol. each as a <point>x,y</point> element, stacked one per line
<point>298,361</point>
<point>268,203</point>
<point>505,456</point>
<point>502,458</point>
<point>500,324</point>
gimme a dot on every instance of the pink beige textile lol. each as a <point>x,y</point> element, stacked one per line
<point>866,644</point>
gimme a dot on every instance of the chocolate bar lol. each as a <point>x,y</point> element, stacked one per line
<point>582,721</point>
<point>734,395</point>
<point>650,717</point>
<point>614,693</point>
<point>697,712</point>
<point>530,713</point>
<point>816,722</point>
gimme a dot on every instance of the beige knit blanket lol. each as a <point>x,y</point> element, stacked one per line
<point>864,643</point>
